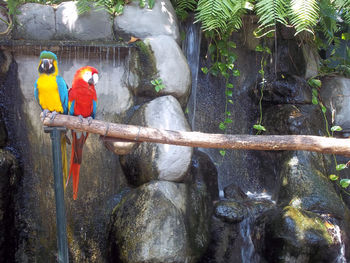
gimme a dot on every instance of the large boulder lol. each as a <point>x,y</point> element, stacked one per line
<point>93,25</point>
<point>35,21</point>
<point>159,222</point>
<point>152,161</point>
<point>145,22</point>
<point>296,235</point>
<point>161,57</point>
<point>335,94</point>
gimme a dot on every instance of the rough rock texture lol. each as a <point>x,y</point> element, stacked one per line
<point>312,61</point>
<point>287,89</point>
<point>159,222</point>
<point>93,25</point>
<point>300,236</point>
<point>3,26</point>
<point>335,94</point>
<point>3,131</point>
<point>9,177</point>
<point>35,21</point>
<point>145,22</point>
<point>152,161</point>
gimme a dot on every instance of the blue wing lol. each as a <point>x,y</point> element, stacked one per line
<point>94,106</point>
<point>36,93</point>
<point>63,91</point>
<point>71,108</point>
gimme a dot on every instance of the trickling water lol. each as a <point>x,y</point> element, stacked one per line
<point>191,48</point>
<point>341,257</point>
<point>118,63</point>
<point>247,249</point>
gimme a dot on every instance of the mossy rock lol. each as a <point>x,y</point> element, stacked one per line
<point>296,235</point>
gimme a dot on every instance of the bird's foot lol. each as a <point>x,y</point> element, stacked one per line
<point>81,118</point>
<point>89,119</point>
<point>53,115</point>
<point>45,112</point>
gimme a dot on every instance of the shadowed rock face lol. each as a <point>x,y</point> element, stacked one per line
<point>160,222</point>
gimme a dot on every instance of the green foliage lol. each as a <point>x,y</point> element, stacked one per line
<point>222,17</point>
<point>183,7</point>
<point>158,84</point>
<point>270,12</point>
<point>304,15</point>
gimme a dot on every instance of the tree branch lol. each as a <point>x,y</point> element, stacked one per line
<point>134,133</point>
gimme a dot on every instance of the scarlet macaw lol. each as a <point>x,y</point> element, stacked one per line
<point>82,103</point>
<point>51,92</point>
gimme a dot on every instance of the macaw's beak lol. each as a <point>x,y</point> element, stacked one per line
<point>46,63</point>
<point>93,80</point>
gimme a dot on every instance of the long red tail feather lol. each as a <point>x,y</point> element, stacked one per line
<point>76,159</point>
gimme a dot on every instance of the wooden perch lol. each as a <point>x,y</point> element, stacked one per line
<point>205,140</point>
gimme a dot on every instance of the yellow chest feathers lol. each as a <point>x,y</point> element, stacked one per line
<point>49,97</point>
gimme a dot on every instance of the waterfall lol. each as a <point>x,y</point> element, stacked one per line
<point>191,49</point>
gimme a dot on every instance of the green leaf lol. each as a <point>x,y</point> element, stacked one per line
<point>222,152</point>
<point>222,126</point>
<point>314,100</point>
<point>153,82</point>
<point>340,167</point>
<point>228,113</point>
<point>314,92</point>
<point>236,73</point>
<point>230,101</point>
<point>205,70</point>
<point>229,85</point>
<point>142,3</point>
<point>344,183</point>
<point>229,93</point>
<point>228,120</point>
<point>323,108</point>
<point>259,127</point>
<point>151,3</point>
<point>333,177</point>
<point>336,128</point>
<point>315,83</point>
<point>259,48</point>
<point>232,44</point>
<point>211,49</point>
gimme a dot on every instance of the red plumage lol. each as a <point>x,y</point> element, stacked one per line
<point>82,98</point>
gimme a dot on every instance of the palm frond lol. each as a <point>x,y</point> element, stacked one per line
<point>270,12</point>
<point>220,16</point>
<point>304,15</point>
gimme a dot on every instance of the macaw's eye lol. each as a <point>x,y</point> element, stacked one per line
<point>87,75</point>
<point>95,78</point>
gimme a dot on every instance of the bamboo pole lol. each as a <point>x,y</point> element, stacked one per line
<point>205,140</point>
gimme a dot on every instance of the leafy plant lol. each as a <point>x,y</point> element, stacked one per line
<point>158,84</point>
<point>183,7</point>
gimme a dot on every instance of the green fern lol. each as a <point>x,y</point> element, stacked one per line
<point>183,7</point>
<point>328,21</point>
<point>270,13</point>
<point>344,8</point>
<point>304,15</point>
<point>221,17</point>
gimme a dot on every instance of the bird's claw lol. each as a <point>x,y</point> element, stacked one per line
<point>89,119</point>
<point>81,118</point>
<point>53,115</point>
<point>45,112</point>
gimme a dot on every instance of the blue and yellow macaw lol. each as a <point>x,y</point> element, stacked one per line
<point>51,92</point>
